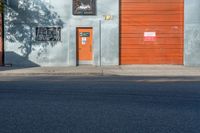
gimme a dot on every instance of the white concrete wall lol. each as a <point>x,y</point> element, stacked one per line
<point>24,51</point>
<point>192,33</point>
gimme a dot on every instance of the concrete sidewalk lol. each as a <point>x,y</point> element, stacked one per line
<point>129,70</point>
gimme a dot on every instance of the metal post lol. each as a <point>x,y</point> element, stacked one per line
<point>100,47</point>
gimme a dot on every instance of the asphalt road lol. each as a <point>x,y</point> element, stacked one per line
<point>100,104</point>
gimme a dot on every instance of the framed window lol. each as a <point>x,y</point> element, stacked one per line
<point>48,34</point>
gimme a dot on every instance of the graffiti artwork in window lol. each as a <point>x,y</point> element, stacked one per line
<point>48,33</point>
<point>84,7</point>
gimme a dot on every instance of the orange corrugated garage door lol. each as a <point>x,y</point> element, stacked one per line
<point>151,31</point>
<point>1,41</point>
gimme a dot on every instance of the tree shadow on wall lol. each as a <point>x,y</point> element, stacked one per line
<point>21,19</point>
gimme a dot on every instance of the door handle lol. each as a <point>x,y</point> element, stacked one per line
<point>90,48</point>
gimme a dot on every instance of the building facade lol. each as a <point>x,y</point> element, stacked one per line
<point>101,32</point>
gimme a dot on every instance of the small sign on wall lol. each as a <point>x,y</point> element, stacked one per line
<point>149,36</point>
<point>84,40</point>
<point>85,34</point>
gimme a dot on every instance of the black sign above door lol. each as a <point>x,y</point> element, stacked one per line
<point>84,7</point>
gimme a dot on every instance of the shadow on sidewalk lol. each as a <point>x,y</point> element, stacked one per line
<point>16,62</point>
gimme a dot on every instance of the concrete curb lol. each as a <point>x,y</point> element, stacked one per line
<point>51,74</point>
<point>101,74</point>
<point>149,71</point>
<point>50,71</point>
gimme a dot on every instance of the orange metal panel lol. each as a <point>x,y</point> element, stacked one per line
<point>1,41</point>
<point>85,38</point>
<point>163,17</point>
